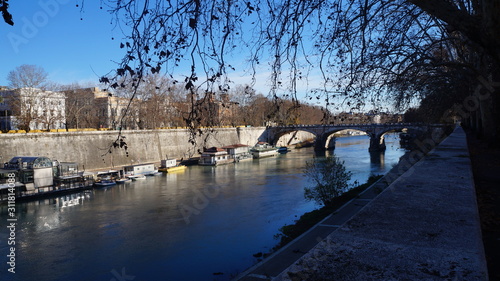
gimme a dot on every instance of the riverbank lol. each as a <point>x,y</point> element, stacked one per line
<point>331,221</point>
<point>309,219</point>
<point>424,226</point>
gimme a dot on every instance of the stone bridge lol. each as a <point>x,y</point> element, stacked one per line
<point>323,133</point>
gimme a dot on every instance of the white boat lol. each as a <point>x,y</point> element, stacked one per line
<point>152,174</point>
<point>123,180</point>
<point>215,156</point>
<point>263,149</point>
<point>139,169</point>
<point>239,152</point>
<point>137,177</point>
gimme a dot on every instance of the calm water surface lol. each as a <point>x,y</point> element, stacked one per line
<point>181,226</point>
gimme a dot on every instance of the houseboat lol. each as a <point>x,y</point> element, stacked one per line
<point>263,149</point>
<point>139,170</point>
<point>170,166</point>
<point>39,176</point>
<point>283,150</point>
<point>106,178</point>
<point>215,156</point>
<point>104,183</point>
<point>239,152</point>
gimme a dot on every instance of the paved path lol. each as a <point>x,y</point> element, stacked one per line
<point>423,226</point>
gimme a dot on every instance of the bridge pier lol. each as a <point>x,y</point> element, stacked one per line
<point>377,143</point>
<point>320,143</point>
<point>330,143</point>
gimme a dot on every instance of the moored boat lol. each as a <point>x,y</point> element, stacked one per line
<point>104,183</point>
<point>178,168</point>
<point>239,152</point>
<point>137,177</point>
<point>170,166</point>
<point>283,149</point>
<point>215,156</point>
<point>123,180</point>
<point>152,174</point>
<point>263,149</point>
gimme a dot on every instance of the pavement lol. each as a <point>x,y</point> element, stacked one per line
<point>419,222</point>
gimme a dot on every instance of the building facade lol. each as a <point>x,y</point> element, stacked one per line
<point>32,109</point>
<point>96,108</point>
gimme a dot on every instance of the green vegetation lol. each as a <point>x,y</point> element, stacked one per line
<point>308,220</point>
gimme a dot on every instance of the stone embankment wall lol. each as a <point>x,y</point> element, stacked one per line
<point>90,149</point>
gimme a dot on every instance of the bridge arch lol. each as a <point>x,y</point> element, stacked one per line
<point>329,137</point>
<point>296,135</point>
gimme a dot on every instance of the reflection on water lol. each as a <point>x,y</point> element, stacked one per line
<point>180,226</point>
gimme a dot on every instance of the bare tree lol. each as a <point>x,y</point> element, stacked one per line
<point>364,50</point>
<point>155,101</point>
<point>27,76</point>
<point>81,110</point>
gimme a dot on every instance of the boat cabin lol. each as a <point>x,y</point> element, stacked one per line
<point>167,163</point>
<point>139,169</point>
<point>34,172</point>
<point>238,151</point>
<point>215,156</point>
<point>263,149</point>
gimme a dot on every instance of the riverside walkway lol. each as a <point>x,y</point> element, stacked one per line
<point>424,225</point>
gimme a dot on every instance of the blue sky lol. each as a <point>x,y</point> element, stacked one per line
<point>75,45</point>
<point>50,34</point>
<point>71,45</point>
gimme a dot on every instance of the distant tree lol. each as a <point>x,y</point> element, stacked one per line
<point>329,177</point>
<point>50,117</point>
<point>154,102</point>
<point>27,76</point>
<point>243,95</point>
<point>25,103</point>
<point>81,109</point>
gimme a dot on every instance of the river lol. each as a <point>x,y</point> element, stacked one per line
<point>203,224</point>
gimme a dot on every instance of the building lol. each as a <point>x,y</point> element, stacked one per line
<point>112,111</point>
<point>218,112</point>
<point>96,108</point>
<point>32,109</point>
